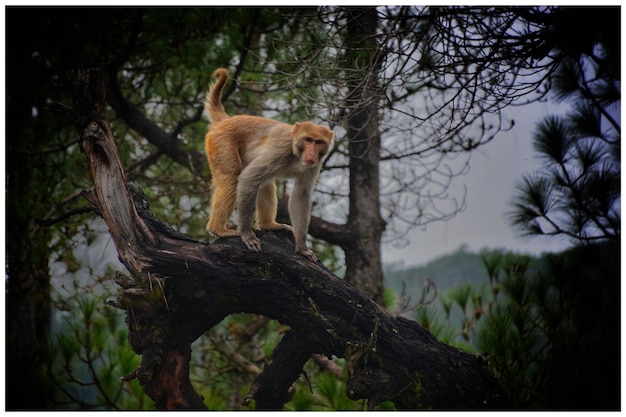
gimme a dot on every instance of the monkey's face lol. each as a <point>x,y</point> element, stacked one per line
<point>311,142</point>
<point>312,150</point>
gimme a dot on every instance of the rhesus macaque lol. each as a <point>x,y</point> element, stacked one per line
<point>246,154</point>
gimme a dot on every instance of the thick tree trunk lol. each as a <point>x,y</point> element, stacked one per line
<point>180,288</point>
<point>28,253</point>
<point>363,257</point>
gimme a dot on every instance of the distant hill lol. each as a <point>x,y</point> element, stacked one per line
<point>446,272</point>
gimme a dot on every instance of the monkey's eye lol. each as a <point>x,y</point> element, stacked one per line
<point>308,140</point>
<point>320,142</point>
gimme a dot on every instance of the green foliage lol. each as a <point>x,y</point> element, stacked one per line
<point>390,298</point>
<point>327,392</point>
<point>550,329</point>
<point>577,194</point>
<point>545,324</point>
<point>454,316</point>
<point>89,355</point>
<point>223,382</point>
<point>442,328</point>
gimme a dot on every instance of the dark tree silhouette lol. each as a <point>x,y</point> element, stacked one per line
<point>577,194</point>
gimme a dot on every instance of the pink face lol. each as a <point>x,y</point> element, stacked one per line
<point>311,142</point>
<point>313,150</point>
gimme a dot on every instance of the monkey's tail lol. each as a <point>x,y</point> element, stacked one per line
<point>213,99</point>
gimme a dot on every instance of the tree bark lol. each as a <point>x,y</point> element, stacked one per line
<point>28,311</point>
<point>179,288</point>
<point>364,267</point>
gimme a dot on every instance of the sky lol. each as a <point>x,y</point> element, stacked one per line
<point>495,168</point>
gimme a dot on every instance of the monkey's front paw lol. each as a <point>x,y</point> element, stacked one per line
<point>251,241</point>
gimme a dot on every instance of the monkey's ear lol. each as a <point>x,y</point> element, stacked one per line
<point>295,130</point>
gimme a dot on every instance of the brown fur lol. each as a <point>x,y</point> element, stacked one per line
<point>246,154</point>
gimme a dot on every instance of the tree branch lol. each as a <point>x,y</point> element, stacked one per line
<point>333,233</point>
<point>165,142</point>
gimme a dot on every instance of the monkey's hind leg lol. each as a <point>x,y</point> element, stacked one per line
<point>267,207</point>
<point>222,207</point>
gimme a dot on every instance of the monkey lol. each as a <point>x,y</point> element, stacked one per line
<point>246,154</point>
